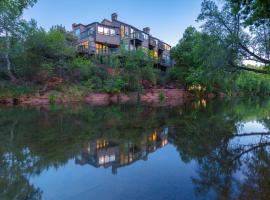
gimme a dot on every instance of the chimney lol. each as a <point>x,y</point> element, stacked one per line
<point>146,30</point>
<point>74,25</point>
<point>114,16</point>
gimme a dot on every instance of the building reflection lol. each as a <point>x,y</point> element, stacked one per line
<point>116,153</point>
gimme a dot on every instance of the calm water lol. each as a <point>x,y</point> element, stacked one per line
<point>202,150</point>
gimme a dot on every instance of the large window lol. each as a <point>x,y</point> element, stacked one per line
<point>124,31</point>
<point>106,31</point>
<point>78,32</point>
<point>101,49</point>
<point>91,31</point>
<point>84,45</point>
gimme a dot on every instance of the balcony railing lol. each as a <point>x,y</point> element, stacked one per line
<point>86,34</point>
<point>88,50</point>
<point>93,50</point>
<point>161,46</point>
<point>137,35</point>
<point>152,43</point>
<point>108,51</point>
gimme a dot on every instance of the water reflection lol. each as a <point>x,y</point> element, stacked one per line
<point>117,153</point>
<point>229,141</point>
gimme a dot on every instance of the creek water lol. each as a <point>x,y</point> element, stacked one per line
<point>217,149</point>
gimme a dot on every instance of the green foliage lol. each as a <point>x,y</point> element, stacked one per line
<point>135,67</point>
<point>253,84</point>
<point>253,11</point>
<point>52,99</point>
<point>200,60</point>
<point>8,89</point>
<point>81,68</point>
<point>162,96</point>
<point>114,85</point>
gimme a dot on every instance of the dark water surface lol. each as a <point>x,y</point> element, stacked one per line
<point>202,150</point>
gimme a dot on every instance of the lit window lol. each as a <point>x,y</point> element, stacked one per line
<point>100,48</point>
<point>122,31</point>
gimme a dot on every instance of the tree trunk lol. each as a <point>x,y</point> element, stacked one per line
<point>8,63</point>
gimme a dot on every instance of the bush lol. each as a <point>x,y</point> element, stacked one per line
<point>114,86</point>
<point>80,68</point>
<point>253,84</point>
<point>8,89</point>
<point>162,97</point>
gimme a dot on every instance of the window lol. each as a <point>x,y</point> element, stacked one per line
<point>91,31</point>
<point>101,48</point>
<point>112,32</point>
<point>78,32</point>
<point>126,31</point>
<point>122,31</point>
<point>84,45</point>
<point>106,31</point>
<point>100,30</point>
<point>167,47</point>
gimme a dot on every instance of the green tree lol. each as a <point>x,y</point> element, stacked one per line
<point>10,21</point>
<point>200,60</point>
<point>242,39</point>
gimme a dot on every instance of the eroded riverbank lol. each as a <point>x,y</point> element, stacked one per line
<point>165,97</point>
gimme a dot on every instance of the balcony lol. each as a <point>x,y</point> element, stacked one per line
<point>152,43</point>
<point>86,50</point>
<point>108,51</point>
<point>137,36</point>
<point>161,46</point>
<point>86,34</point>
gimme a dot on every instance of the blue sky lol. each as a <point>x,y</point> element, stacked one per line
<point>166,18</point>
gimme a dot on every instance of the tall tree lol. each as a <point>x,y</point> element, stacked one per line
<point>10,20</point>
<point>239,30</point>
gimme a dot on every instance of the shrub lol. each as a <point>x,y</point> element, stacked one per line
<point>162,96</point>
<point>253,84</point>
<point>52,99</point>
<point>114,85</point>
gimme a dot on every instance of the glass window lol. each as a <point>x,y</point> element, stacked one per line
<point>126,31</point>
<point>100,48</point>
<point>100,30</point>
<point>78,32</point>
<point>122,31</point>
<point>112,32</point>
<point>106,31</point>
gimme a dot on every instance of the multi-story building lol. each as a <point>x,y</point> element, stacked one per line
<point>106,37</point>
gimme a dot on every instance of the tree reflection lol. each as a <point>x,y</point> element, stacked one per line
<point>34,140</point>
<point>231,165</point>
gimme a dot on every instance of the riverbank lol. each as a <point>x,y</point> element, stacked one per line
<point>166,97</point>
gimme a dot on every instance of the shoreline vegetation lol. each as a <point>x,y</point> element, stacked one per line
<point>44,67</point>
